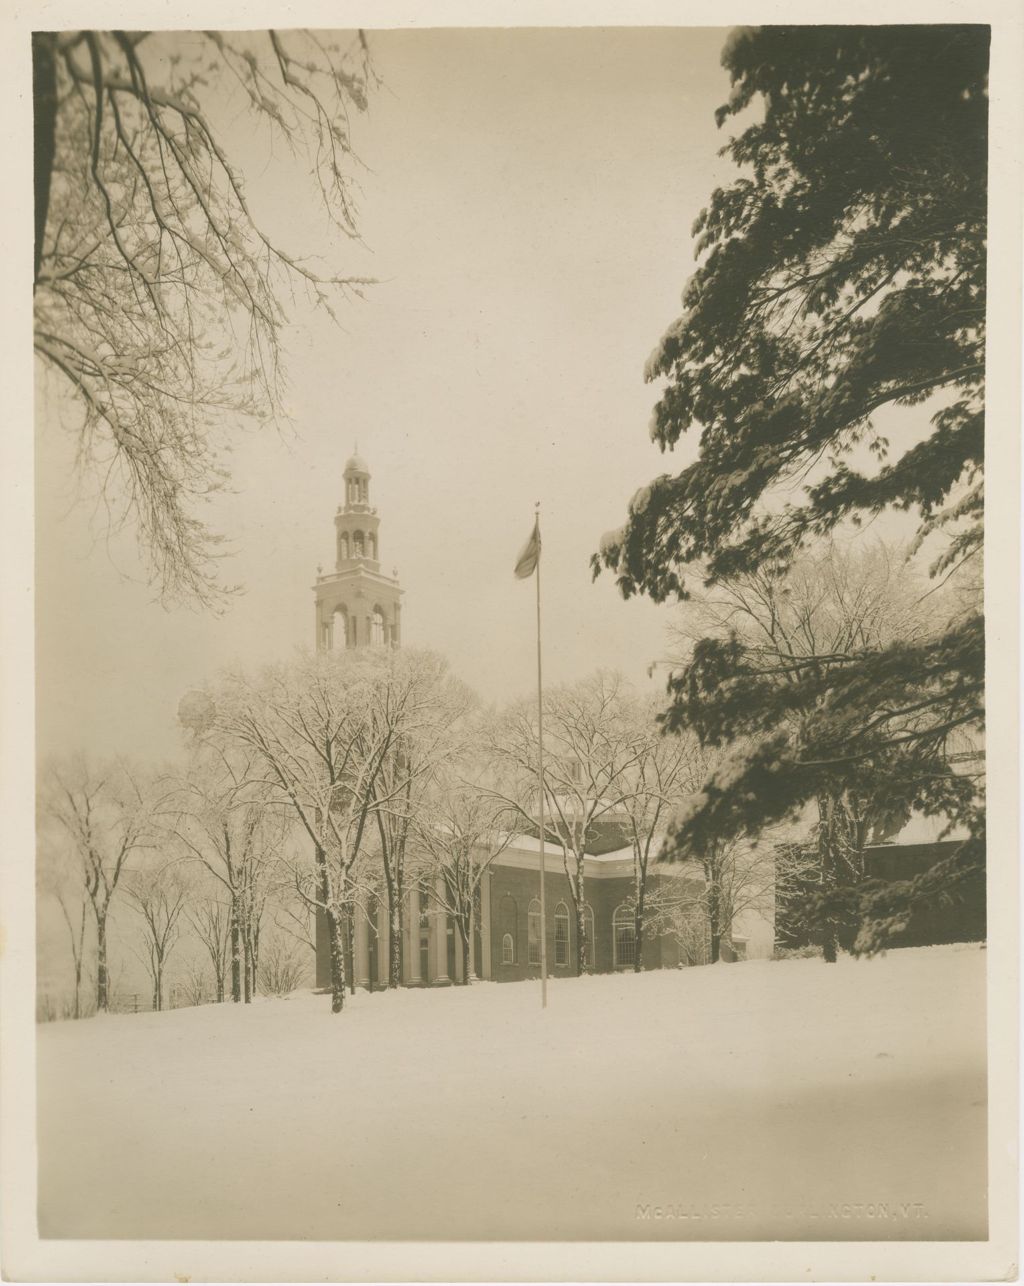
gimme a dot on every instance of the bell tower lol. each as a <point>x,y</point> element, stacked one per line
<point>356,605</point>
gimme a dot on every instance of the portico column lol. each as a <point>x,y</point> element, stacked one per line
<point>440,928</point>
<point>485,925</point>
<point>383,944</point>
<point>361,965</point>
<point>412,937</point>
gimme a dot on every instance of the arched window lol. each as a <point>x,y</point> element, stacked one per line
<point>588,933</point>
<point>377,632</point>
<point>507,924</point>
<point>561,934</point>
<point>357,544</point>
<point>339,629</point>
<point>623,938</point>
<point>533,932</point>
<point>371,544</point>
<point>342,546</point>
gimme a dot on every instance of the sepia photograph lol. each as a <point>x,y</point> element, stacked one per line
<point>509,590</point>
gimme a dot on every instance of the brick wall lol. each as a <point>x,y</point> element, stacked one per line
<point>512,890</point>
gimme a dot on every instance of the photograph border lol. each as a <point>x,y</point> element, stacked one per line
<point>27,1258</point>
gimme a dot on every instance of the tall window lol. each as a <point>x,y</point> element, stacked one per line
<point>377,626</point>
<point>588,930</point>
<point>339,629</point>
<point>561,934</point>
<point>342,546</point>
<point>533,932</point>
<point>507,923</point>
<point>357,544</point>
<point>371,542</point>
<point>623,938</point>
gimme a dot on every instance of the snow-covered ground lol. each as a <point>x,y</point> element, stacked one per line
<point>761,1100</point>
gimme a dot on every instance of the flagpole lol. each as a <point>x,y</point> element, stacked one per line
<point>540,778</point>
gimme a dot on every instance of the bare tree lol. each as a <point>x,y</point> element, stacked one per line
<point>318,746</point>
<point>224,822</point>
<point>283,967</point>
<point>158,896</point>
<point>75,912</point>
<point>661,775</point>
<point>157,288</point>
<point>106,816</point>
<point>61,878</point>
<point>211,922</point>
<point>591,750</point>
<point>425,709</point>
<point>812,617</point>
<point>464,827</point>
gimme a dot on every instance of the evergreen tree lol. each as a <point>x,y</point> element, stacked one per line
<point>842,272</point>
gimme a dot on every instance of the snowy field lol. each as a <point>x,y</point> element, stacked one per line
<point>764,1100</point>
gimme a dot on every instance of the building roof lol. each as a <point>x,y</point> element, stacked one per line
<point>356,464</point>
<point>524,850</point>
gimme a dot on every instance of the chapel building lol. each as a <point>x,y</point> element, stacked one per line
<point>358,606</point>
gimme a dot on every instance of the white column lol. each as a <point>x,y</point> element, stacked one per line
<point>361,964</point>
<point>458,956</point>
<point>412,937</point>
<point>485,925</point>
<point>440,933</point>
<point>383,943</point>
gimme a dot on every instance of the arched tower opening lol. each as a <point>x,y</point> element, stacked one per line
<point>344,615</point>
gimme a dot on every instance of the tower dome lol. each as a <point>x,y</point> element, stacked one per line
<point>356,464</point>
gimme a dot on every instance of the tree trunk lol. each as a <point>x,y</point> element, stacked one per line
<point>336,934</point>
<point>469,972</point>
<point>638,929</point>
<point>395,927</point>
<point>714,921</point>
<point>44,98</point>
<point>102,980</point>
<point>236,953</point>
<point>826,875</point>
<point>580,907</point>
<point>78,988</point>
<point>158,989</point>
<point>466,934</point>
<point>246,971</point>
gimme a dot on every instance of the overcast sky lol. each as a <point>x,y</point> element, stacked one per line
<point>527,203</point>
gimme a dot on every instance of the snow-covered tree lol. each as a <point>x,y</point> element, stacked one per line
<point>224,821</point>
<point>106,815</point>
<point>157,893</point>
<point>661,776</point>
<point>159,291</point>
<point>465,825</point>
<point>426,709</point>
<point>793,630</point>
<point>323,734</point>
<point>592,746</point>
<point>842,273</point>
<point>61,877</point>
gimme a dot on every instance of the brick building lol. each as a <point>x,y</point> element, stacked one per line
<point>506,944</point>
<point>356,606</point>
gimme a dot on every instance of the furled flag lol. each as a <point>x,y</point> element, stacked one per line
<point>529,555</point>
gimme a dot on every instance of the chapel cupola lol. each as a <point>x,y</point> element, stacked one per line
<point>356,604</point>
